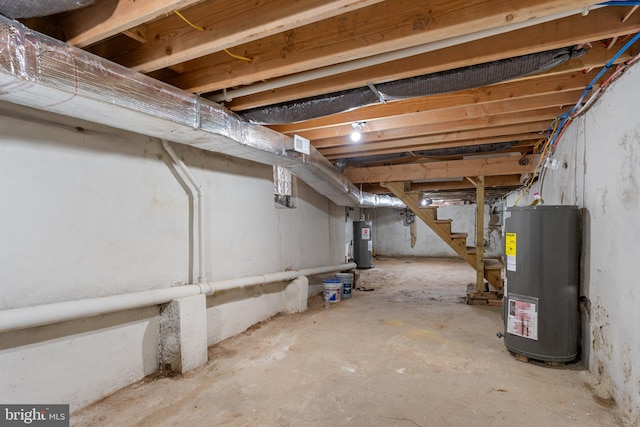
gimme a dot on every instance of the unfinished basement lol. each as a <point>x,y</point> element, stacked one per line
<point>319,213</point>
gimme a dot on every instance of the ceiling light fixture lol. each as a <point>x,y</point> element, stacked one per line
<point>357,133</point>
<point>425,201</point>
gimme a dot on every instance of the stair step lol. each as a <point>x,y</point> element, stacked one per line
<point>493,272</point>
<point>459,235</point>
<point>431,211</point>
<point>457,241</point>
<point>493,264</point>
<point>444,223</point>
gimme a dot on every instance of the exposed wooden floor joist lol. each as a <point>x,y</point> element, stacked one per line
<point>599,24</point>
<point>447,169</point>
<point>279,40</point>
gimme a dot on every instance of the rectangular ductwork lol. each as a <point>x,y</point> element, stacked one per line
<point>43,73</point>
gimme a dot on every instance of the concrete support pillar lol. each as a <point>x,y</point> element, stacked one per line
<point>296,295</point>
<point>183,334</point>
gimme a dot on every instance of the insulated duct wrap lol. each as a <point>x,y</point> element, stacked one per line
<point>381,200</point>
<point>40,72</point>
<point>282,181</point>
<point>34,8</point>
<point>429,84</point>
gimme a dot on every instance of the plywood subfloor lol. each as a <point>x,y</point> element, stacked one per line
<point>409,353</point>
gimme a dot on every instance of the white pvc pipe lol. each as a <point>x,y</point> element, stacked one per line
<point>223,285</point>
<point>201,260</point>
<point>28,317</point>
<point>371,61</point>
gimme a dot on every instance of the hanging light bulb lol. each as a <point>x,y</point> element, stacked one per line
<point>357,134</point>
<point>425,201</point>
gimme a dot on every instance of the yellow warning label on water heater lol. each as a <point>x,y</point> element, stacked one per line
<point>510,244</point>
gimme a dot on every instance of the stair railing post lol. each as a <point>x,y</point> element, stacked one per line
<point>480,234</point>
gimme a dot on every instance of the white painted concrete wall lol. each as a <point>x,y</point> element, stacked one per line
<point>94,211</point>
<point>392,236</point>
<point>600,172</point>
<point>78,362</point>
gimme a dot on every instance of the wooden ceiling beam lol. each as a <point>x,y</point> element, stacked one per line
<point>524,140</point>
<point>522,89</point>
<point>490,181</point>
<point>377,29</point>
<point>106,18</point>
<point>447,169</point>
<point>443,130</point>
<point>413,123</point>
<point>522,147</point>
<point>137,33</point>
<point>225,25</point>
<point>599,24</point>
<point>455,137</point>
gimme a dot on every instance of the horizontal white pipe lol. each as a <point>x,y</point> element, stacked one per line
<point>223,285</point>
<point>321,270</point>
<point>28,317</point>
<point>371,61</point>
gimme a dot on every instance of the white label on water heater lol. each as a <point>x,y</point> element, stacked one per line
<point>511,262</point>
<point>366,233</point>
<point>522,316</point>
<point>370,245</point>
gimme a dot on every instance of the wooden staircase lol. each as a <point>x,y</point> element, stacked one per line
<point>487,268</point>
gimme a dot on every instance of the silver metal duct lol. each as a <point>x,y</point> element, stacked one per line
<point>43,73</point>
<point>429,84</point>
<point>34,8</point>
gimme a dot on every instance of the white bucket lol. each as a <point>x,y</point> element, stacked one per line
<point>332,290</point>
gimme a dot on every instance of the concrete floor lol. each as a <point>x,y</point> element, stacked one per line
<point>410,353</point>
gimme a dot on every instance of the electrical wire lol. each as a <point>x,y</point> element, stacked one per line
<point>199,28</point>
<point>606,67</point>
<point>561,123</point>
<point>620,3</point>
<point>233,55</point>
<point>544,142</point>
